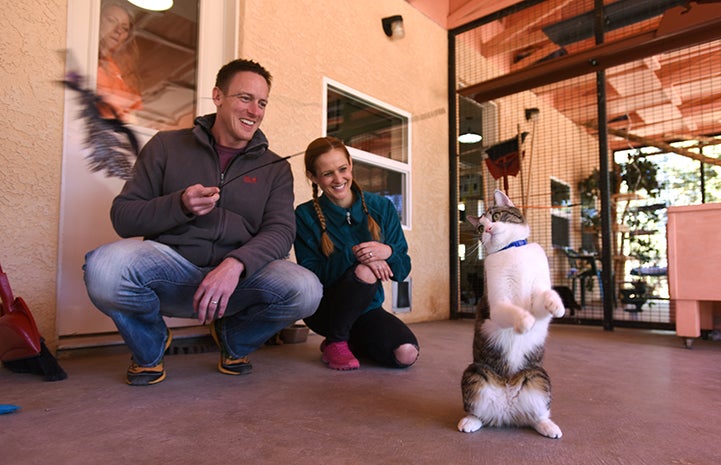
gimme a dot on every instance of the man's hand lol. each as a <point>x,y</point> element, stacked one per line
<point>211,298</point>
<point>199,200</point>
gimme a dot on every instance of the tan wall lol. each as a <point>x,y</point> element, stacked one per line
<point>30,151</point>
<point>300,42</point>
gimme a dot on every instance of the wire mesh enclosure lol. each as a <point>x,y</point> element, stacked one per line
<point>594,118</point>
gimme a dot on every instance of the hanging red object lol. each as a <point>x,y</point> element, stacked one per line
<point>504,158</point>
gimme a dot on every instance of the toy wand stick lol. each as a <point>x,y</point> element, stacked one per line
<point>259,167</point>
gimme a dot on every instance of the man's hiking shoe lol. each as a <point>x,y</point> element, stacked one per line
<point>227,364</point>
<point>144,376</point>
<point>234,366</point>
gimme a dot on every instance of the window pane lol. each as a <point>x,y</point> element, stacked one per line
<point>560,195</point>
<point>367,127</point>
<point>560,213</point>
<point>147,63</point>
<point>381,181</point>
<point>559,231</point>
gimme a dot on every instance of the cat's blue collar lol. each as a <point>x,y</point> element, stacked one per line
<point>515,244</point>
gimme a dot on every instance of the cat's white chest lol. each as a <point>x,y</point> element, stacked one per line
<point>514,273</point>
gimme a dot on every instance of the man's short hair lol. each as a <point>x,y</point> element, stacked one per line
<point>226,73</point>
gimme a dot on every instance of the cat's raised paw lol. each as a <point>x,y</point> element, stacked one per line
<point>548,428</point>
<point>524,323</point>
<point>554,305</point>
<point>469,424</point>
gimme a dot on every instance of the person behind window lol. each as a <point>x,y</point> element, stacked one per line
<point>215,209</point>
<point>352,240</point>
<point>118,82</point>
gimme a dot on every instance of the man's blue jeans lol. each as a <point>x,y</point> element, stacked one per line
<point>137,282</point>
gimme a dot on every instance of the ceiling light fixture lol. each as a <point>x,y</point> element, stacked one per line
<point>393,27</point>
<point>469,137</point>
<point>532,114</point>
<point>153,5</point>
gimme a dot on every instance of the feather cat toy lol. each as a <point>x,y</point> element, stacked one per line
<point>114,147</point>
<point>506,385</point>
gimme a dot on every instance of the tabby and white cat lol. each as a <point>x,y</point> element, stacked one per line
<point>506,384</point>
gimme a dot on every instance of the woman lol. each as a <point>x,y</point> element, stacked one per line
<point>118,82</point>
<point>352,241</point>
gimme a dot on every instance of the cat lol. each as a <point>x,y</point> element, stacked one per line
<point>506,385</point>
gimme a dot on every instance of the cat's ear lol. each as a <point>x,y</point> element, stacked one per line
<point>502,199</point>
<point>474,220</point>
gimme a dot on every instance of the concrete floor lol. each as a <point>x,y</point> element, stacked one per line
<point>620,397</point>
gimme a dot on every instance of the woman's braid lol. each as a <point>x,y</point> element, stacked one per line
<point>373,227</point>
<point>326,244</point>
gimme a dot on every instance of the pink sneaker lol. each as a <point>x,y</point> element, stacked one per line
<point>339,357</point>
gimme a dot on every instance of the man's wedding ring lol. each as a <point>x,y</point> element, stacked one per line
<point>214,302</point>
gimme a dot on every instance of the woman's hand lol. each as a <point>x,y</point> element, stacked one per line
<point>381,270</point>
<point>374,255</point>
<point>367,252</point>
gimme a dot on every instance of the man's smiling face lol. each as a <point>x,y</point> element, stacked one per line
<point>240,109</point>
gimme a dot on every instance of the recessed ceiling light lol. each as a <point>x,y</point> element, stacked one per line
<point>469,137</point>
<point>153,5</point>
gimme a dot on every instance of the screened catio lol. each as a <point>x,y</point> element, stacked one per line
<point>594,117</point>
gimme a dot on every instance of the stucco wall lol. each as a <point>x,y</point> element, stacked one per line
<point>300,42</point>
<point>30,151</point>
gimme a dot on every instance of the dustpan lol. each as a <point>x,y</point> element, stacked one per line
<point>19,335</point>
<point>22,348</point>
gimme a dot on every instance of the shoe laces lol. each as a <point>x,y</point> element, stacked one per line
<point>227,360</point>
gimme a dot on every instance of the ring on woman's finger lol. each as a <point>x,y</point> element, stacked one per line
<point>214,302</point>
<point>370,254</point>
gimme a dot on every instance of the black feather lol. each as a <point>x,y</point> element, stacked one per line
<point>113,145</point>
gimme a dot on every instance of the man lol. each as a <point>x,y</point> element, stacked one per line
<point>215,209</point>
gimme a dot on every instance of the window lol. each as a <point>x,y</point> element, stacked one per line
<point>181,51</point>
<point>147,63</point>
<point>377,136</point>
<point>560,213</point>
<point>590,218</point>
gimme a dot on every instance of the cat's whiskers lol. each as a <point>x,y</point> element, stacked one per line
<point>474,248</point>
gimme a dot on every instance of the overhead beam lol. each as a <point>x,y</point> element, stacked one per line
<point>649,142</point>
<point>678,29</point>
<point>468,11</point>
<point>496,44</point>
